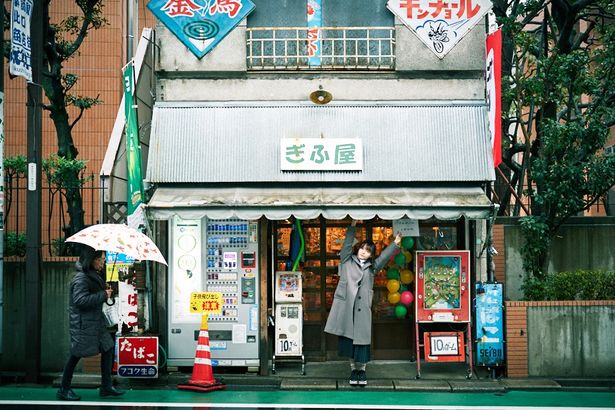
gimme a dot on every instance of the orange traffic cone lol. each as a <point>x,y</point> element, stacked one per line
<point>202,374</point>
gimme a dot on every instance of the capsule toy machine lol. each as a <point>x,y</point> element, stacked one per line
<point>288,318</point>
<point>443,296</point>
<point>215,255</point>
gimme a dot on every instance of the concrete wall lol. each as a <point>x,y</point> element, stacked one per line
<point>560,339</point>
<point>583,243</point>
<point>222,74</point>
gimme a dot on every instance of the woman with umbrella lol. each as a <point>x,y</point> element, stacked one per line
<point>88,330</point>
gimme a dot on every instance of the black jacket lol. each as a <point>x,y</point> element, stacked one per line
<point>88,332</point>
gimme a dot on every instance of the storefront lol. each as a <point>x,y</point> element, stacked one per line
<point>223,202</point>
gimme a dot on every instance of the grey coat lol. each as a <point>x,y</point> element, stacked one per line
<point>351,311</point>
<point>88,331</point>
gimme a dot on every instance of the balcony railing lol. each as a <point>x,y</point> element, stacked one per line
<point>341,48</point>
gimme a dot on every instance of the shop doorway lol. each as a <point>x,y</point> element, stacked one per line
<point>392,337</point>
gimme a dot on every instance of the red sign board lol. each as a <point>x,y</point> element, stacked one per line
<point>138,356</point>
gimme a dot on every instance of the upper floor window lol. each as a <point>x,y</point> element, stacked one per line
<point>320,35</point>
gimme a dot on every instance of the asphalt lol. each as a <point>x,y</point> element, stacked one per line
<point>382,376</point>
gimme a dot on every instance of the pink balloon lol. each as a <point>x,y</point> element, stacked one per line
<point>406,297</point>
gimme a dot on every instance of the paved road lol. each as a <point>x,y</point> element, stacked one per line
<point>44,398</point>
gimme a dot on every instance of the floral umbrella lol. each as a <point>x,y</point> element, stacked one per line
<point>121,239</point>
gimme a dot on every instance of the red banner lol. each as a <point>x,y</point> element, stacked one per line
<point>494,92</point>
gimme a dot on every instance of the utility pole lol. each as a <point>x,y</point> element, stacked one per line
<point>33,200</point>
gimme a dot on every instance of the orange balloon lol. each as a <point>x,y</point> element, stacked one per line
<point>394,298</point>
<point>393,285</point>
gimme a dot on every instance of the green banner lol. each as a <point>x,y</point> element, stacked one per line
<point>133,149</point>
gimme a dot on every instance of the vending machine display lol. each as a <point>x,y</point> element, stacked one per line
<point>443,286</point>
<point>288,317</point>
<point>223,258</point>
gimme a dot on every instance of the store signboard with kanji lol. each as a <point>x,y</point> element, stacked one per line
<point>440,24</point>
<point>206,302</point>
<point>200,24</point>
<point>321,154</point>
<point>137,357</point>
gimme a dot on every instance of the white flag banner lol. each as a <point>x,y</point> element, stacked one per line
<point>21,45</point>
<point>440,24</point>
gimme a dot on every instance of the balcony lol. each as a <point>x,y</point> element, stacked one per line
<point>341,48</point>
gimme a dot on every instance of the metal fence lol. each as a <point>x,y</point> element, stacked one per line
<point>55,217</point>
<point>341,48</point>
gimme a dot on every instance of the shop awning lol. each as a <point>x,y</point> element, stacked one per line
<point>308,203</point>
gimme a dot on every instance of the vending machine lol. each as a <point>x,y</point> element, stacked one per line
<point>288,318</point>
<point>443,296</point>
<point>214,255</point>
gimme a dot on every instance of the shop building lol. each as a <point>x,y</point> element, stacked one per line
<point>253,136</point>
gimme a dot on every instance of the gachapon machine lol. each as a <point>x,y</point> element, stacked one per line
<point>443,296</point>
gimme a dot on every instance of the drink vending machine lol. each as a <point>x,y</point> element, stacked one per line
<point>288,318</point>
<point>214,255</point>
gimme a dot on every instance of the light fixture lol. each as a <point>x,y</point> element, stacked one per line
<point>321,96</point>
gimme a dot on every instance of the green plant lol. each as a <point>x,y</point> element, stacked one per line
<point>576,285</point>
<point>14,244</point>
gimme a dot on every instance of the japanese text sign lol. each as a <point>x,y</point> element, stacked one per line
<point>489,324</point>
<point>440,24</point>
<point>137,356</point>
<point>21,46</point>
<point>321,154</point>
<point>200,24</point>
<point>206,302</point>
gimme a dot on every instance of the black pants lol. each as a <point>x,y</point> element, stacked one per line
<point>106,366</point>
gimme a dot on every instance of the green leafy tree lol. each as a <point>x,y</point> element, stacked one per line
<point>61,43</point>
<point>558,107</point>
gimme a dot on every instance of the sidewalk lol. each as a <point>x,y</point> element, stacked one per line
<point>382,375</point>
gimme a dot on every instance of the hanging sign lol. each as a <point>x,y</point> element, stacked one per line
<point>200,24</point>
<point>440,24</point>
<point>314,20</point>
<point>21,45</point>
<point>321,154</point>
<point>493,77</point>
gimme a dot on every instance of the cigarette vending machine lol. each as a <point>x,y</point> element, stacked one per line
<point>209,255</point>
<point>288,318</point>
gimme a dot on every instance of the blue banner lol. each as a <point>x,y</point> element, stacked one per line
<point>489,325</point>
<point>314,21</point>
<point>200,24</point>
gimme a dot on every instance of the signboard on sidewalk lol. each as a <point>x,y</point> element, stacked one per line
<point>489,324</point>
<point>138,357</point>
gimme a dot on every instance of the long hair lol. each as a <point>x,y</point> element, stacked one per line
<point>368,245</point>
<point>87,257</point>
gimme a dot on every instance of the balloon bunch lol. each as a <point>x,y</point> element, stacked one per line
<point>400,277</point>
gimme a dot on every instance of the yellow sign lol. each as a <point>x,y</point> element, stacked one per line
<point>206,302</point>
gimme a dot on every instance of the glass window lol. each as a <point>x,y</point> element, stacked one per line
<point>278,13</point>
<point>356,13</point>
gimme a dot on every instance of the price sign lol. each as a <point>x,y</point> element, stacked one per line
<point>444,347</point>
<point>206,302</point>
<point>286,346</point>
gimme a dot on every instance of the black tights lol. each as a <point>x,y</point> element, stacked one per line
<point>106,366</point>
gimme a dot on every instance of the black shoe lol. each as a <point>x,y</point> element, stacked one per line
<point>110,392</point>
<point>354,378</point>
<point>67,395</point>
<point>362,378</point>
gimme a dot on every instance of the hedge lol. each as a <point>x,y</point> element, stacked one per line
<point>577,285</point>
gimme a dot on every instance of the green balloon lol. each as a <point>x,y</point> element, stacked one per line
<point>400,259</point>
<point>403,288</point>
<point>407,242</point>
<point>401,311</point>
<point>393,273</point>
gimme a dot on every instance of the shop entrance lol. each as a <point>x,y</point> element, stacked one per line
<point>392,338</point>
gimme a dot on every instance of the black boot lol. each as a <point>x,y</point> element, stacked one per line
<point>110,392</point>
<point>67,395</point>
